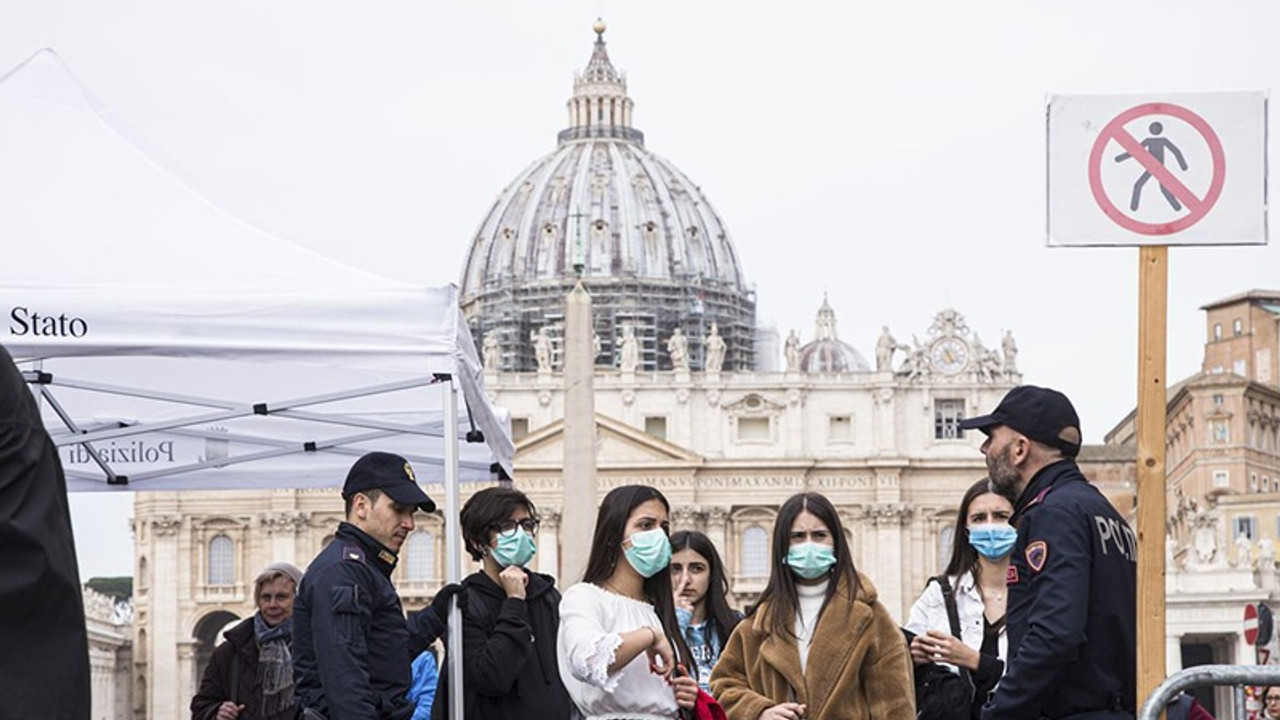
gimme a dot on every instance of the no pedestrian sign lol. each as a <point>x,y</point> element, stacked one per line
<point>1176,169</point>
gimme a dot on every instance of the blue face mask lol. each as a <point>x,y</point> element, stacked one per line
<point>650,552</point>
<point>514,548</point>
<point>993,540</point>
<point>811,560</point>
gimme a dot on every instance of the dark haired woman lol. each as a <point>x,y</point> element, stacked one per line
<point>703,611</point>
<point>818,645</point>
<point>976,573</point>
<point>621,653</point>
<point>509,617</point>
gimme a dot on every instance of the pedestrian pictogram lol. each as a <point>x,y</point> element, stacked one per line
<point>1152,156</point>
<point>1174,169</point>
<point>1155,145</point>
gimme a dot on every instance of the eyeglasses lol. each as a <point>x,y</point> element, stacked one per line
<point>529,525</point>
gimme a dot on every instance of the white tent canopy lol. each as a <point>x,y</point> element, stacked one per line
<point>187,349</point>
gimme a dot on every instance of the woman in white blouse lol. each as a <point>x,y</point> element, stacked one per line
<point>977,575</point>
<point>620,650</point>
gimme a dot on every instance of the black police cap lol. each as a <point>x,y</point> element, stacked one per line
<point>1042,414</point>
<point>390,474</point>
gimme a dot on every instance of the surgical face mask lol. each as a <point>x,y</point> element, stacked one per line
<point>811,560</point>
<point>993,540</point>
<point>515,547</point>
<point>650,552</point>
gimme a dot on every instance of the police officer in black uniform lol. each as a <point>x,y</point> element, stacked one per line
<point>1072,575</point>
<point>352,646</point>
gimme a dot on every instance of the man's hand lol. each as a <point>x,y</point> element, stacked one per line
<point>514,579</point>
<point>229,710</point>
<point>440,603</point>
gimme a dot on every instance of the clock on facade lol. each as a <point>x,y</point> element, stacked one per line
<point>949,355</point>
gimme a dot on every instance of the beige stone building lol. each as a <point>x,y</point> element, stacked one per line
<point>1223,459</point>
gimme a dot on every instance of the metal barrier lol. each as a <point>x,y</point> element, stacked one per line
<point>1209,675</point>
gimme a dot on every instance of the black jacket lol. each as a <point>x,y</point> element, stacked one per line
<point>508,653</point>
<point>1072,613</point>
<point>351,644</point>
<point>44,668</point>
<point>241,648</point>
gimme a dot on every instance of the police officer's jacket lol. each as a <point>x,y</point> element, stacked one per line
<point>351,651</point>
<point>1071,610</point>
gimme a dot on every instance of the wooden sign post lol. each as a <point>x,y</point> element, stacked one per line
<point>1153,290</point>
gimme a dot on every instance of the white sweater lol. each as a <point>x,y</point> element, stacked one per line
<point>811,598</point>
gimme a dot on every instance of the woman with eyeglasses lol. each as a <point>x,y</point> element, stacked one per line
<point>818,645</point>
<point>1271,702</point>
<point>621,652</point>
<point>510,617</point>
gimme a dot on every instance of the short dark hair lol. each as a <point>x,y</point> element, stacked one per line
<point>1266,690</point>
<point>486,509</point>
<point>372,493</point>
<point>780,592</point>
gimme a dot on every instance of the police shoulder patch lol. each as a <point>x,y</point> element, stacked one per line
<point>353,552</point>
<point>1037,554</point>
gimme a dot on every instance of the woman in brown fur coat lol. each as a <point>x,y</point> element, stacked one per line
<point>818,645</point>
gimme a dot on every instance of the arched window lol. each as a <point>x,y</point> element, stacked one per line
<point>755,552</point>
<point>421,557</point>
<point>222,563</point>
<point>945,539</point>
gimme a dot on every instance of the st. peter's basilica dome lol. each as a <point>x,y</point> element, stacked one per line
<point>651,250</point>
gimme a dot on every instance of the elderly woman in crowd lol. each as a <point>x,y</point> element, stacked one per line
<point>250,676</point>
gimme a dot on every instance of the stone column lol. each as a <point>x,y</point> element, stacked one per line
<point>1172,653</point>
<point>282,529</point>
<point>685,517</point>
<point>186,651</point>
<point>549,544</point>
<point>165,683</point>
<point>717,529</point>
<point>889,520</point>
<point>580,492</point>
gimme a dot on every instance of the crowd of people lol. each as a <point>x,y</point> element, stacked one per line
<point>1032,617</point>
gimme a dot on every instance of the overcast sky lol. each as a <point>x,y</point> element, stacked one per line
<point>891,155</point>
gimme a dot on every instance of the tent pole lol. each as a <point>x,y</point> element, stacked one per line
<point>452,545</point>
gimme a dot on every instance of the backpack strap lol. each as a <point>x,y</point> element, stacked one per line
<point>953,615</point>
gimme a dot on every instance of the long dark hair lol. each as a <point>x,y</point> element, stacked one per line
<point>780,593</point>
<point>606,553</point>
<point>723,618</point>
<point>963,557</point>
